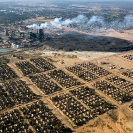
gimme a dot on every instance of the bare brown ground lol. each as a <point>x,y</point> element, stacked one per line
<point>107,124</point>
<point>127,34</point>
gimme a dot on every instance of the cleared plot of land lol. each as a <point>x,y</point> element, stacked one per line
<point>118,63</point>
<point>127,34</point>
<point>112,66</point>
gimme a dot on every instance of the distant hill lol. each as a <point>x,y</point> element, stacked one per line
<point>82,42</point>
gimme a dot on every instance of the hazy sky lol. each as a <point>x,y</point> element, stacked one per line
<point>62,1</point>
<point>65,0</point>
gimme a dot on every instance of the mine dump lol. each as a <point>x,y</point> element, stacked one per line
<point>66,67</point>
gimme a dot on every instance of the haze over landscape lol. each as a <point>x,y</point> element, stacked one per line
<point>66,66</point>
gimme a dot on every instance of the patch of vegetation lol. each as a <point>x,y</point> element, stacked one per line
<point>49,59</point>
<point>72,56</point>
<point>99,122</point>
<point>88,131</point>
<point>128,129</point>
<point>109,127</point>
<point>113,116</point>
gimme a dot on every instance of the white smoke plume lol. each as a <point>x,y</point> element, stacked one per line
<point>82,22</point>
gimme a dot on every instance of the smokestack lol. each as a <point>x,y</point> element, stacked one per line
<point>41,34</point>
<point>7,33</point>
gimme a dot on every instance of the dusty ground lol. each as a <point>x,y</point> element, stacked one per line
<point>70,58</point>
<point>108,124</point>
<point>127,34</point>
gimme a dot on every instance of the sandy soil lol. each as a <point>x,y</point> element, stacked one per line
<point>64,59</point>
<point>127,34</point>
<point>105,123</point>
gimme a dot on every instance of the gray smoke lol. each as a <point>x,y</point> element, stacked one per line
<point>83,23</point>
